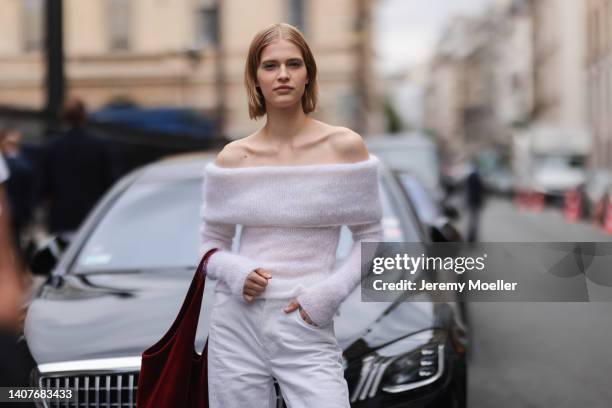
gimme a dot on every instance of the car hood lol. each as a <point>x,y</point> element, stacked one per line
<point>558,178</point>
<point>121,314</point>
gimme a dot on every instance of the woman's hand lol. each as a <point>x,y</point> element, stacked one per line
<point>255,284</point>
<point>295,305</point>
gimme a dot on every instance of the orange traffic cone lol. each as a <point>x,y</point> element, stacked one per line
<point>519,199</point>
<point>536,201</point>
<point>598,212</point>
<point>571,211</point>
<point>608,221</point>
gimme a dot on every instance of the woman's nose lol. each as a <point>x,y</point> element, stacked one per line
<point>284,73</point>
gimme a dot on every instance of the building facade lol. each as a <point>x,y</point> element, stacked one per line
<point>599,79</point>
<point>482,85</point>
<point>188,53</point>
<point>559,55</point>
<point>446,92</point>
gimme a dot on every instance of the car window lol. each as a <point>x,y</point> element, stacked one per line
<point>151,225</point>
<point>156,225</point>
<point>423,204</point>
<point>422,162</point>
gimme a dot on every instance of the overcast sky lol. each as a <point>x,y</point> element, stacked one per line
<point>407,30</point>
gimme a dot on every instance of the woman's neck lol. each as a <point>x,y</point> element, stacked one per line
<point>284,126</point>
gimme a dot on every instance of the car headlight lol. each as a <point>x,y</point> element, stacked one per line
<point>404,365</point>
<point>415,369</point>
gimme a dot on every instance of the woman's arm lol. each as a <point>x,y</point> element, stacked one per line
<point>321,301</point>
<point>224,264</point>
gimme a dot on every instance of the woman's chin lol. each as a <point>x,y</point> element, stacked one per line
<point>283,103</point>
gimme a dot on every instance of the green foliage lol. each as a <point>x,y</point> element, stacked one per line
<point>393,120</point>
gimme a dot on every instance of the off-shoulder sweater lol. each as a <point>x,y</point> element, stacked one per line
<point>291,218</point>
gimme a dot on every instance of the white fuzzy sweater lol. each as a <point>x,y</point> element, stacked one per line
<point>291,218</point>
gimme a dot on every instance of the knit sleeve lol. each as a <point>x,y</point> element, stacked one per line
<point>321,301</point>
<point>223,265</point>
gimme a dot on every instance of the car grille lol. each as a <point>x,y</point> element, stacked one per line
<point>104,391</point>
<point>117,390</point>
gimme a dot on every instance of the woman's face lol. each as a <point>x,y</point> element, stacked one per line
<point>281,74</point>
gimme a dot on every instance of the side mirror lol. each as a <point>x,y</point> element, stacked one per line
<point>450,211</point>
<point>45,258</point>
<point>445,232</point>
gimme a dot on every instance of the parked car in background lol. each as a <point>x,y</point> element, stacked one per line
<point>550,160</point>
<point>412,153</point>
<point>160,120</point>
<point>554,175</point>
<point>494,169</point>
<point>499,181</point>
<point>437,218</point>
<point>413,158</point>
<point>119,285</point>
<point>595,193</point>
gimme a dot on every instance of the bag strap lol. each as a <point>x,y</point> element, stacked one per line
<point>185,325</point>
<point>190,310</point>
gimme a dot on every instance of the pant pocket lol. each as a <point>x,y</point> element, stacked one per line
<point>304,323</point>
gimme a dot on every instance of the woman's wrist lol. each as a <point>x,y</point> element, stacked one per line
<point>319,306</point>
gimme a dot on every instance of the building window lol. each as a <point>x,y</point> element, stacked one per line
<point>33,11</point>
<point>296,14</point>
<point>207,24</point>
<point>118,24</point>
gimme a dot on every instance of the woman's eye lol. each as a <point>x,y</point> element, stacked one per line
<point>295,64</point>
<point>268,66</point>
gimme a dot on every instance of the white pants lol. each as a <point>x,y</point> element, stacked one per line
<point>249,343</point>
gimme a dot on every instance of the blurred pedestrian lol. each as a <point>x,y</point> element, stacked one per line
<point>20,186</point>
<point>474,199</point>
<point>447,182</point>
<point>13,370</point>
<point>76,171</point>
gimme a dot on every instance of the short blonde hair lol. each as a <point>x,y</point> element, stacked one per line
<point>257,103</point>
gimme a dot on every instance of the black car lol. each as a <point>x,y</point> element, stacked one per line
<point>120,282</point>
<point>436,217</point>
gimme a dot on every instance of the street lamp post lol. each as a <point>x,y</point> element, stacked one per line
<point>54,52</point>
<point>220,74</point>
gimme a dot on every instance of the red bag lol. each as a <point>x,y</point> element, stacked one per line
<point>172,374</point>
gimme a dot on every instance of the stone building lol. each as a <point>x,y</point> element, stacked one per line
<point>188,53</point>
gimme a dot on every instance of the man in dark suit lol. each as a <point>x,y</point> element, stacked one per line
<point>474,200</point>
<point>76,171</point>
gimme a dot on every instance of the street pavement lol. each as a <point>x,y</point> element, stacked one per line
<point>539,354</point>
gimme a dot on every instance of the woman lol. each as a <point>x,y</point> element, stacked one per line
<point>291,185</point>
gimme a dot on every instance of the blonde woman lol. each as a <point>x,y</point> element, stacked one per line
<point>291,186</point>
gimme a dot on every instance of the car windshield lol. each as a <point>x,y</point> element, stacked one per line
<point>558,162</point>
<point>423,203</point>
<point>155,225</point>
<point>421,162</point>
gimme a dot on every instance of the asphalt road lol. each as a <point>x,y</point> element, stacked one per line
<point>539,354</point>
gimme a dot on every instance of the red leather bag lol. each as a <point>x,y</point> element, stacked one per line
<point>172,374</point>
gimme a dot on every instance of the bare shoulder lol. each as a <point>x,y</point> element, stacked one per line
<point>231,155</point>
<point>348,145</point>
